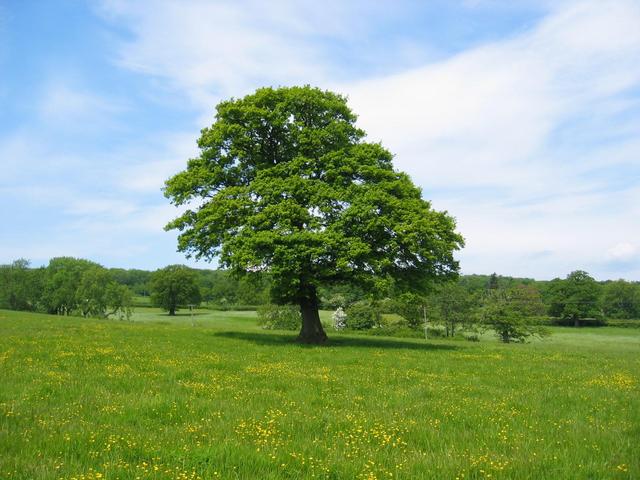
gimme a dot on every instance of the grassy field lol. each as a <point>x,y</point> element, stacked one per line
<point>213,396</point>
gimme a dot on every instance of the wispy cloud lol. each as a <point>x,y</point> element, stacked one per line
<point>529,136</point>
<point>505,138</point>
<point>513,137</point>
<point>63,103</point>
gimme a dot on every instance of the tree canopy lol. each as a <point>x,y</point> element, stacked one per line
<point>510,312</point>
<point>285,183</point>
<point>174,286</point>
<point>576,298</point>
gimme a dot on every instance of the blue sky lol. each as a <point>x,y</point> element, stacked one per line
<point>522,119</point>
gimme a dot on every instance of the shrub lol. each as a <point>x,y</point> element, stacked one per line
<point>279,317</point>
<point>361,316</point>
<point>396,330</point>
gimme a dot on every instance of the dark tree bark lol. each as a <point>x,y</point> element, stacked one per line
<point>576,321</point>
<point>311,330</point>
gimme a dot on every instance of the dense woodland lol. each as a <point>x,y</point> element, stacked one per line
<point>70,286</point>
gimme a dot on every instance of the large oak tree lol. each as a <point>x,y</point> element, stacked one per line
<point>286,183</point>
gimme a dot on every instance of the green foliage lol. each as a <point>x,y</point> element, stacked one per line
<point>62,281</point>
<point>510,313</point>
<point>279,317</point>
<point>286,184</point>
<point>362,316</point>
<point>341,294</point>
<point>451,305</point>
<point>174,286</point>
<point>136,280</point>
<point>621,300</point>
<point>78,286</point>
<point>576,298</point>
<point>411,307</point>
<point>20,286</point>
<point>225,289</point>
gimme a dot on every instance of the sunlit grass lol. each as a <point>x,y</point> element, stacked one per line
<point>213,396</point>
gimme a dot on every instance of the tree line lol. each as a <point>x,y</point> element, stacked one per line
<point>82,287</point>
<point>77,286</point>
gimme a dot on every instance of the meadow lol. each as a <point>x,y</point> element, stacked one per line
<point>213,396</point>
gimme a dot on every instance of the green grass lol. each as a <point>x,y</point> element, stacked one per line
<point>161,398</point>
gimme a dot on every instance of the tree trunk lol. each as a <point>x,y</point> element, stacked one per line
<point>576,321</point>
<point>311,331</point>
<point>172,311</point>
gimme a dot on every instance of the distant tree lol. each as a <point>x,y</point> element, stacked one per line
<point>510,313</point>
<point>99,295</point>
<point>174,286</point>
<point>492,284</point>
<point>621,299</point>
<point>576,298</point>
<point>136,280</point>
<point>19,286</point>
<point>62,279</point>
<point>286,184</point>
<point>362,315</point>
<point>411,307</point>
<point>452,305</point>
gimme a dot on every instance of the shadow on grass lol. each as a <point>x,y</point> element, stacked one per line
<point>182,314</point>
<point>278,339</point>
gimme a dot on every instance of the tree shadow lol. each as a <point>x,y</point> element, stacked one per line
<point>277,339</point>
<point>184,314</point>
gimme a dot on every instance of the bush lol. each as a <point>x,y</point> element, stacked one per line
<point>396,330</point>
<point>279,317</point>
<point>361,316</point>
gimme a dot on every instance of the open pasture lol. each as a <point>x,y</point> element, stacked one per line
<point>159,398</point>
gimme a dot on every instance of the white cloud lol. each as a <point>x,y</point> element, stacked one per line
<point>513,137</point>
<point>155,161</point>
<point>624,251</point>
<point>480,133</point>
<point>211,50</point>
<point>65,103</point>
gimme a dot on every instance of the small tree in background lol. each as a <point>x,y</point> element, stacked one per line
<point>411,307</point>
<point>62,280</point>
<point>98,295</point>
<point>362,315</point>
<point>20,286</point>
<point>174,286</point>
<point>621,299</point>
<point>452,306</point>
<point>511,313</point>
<point>576,298</point>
